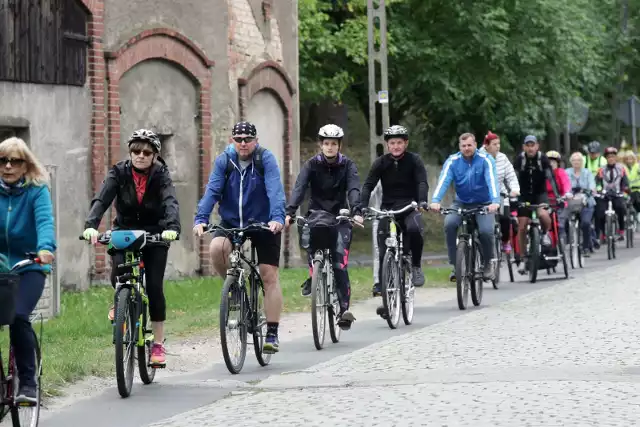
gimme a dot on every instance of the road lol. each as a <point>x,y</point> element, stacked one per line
<point>556,352</point>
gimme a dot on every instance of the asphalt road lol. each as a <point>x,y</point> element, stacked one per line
<point>174,395</point>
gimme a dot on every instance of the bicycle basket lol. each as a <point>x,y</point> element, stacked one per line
<point>577,203</point>
<point>8,297</point>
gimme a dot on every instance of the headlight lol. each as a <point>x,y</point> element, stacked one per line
<point>390,242</point>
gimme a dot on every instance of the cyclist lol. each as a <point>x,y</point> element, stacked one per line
<point>145,199</point>
<point>252,192</point>
<point>26,222</point>
<point>562,186</point>
<point>633,172</point>
<point>594,161</point>
<point>533,169</point>
<point>582,186</point>
<point>334,182</point>
<point>611,180</point>
<point>475,179</point>
<point>404,180</point>
<point>508,180</point>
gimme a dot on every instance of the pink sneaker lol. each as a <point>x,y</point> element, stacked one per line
<point>506,248</point>
<point>158,355</point>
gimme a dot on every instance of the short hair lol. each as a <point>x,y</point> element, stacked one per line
<point>466,136</point>
<point>576,155</point>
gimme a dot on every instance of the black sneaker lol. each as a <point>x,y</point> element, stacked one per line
<point>271,344</point>
<point>376,290</point>
<point>452,276</point>
<point>418,276</point>
<point>306,288</point>
<point>27,396</point>
<point>345,320</point>
<point>380,311</point>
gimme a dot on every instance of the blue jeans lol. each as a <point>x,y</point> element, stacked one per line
<point>485,231</point>
<point>22,337</point>
<point>585,224</point>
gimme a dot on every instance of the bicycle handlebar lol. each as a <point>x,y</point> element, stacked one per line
<point>209,228</point>
<point>105,238</point>
<point>32,258</point>
<point>482,210</point>
<point>344,215</point>
<point>377,213</point>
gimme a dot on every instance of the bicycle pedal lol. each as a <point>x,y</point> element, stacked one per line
<point>157,365</point>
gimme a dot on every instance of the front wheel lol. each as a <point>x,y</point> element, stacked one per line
<point>477,285</point>
<point>391,289</point>
<point>499,258</point>
<point>318,304</point>
<point>562,252</point>
<point>260,324</point>
<point>124,341</point>
<point>408,296</point>
<point>27,416</point>
<point>534,253</point>
<point>462,274</point>
<point>233,324</point>
<point>573,244</point>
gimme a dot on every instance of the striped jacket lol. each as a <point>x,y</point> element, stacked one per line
<point>507,177</point>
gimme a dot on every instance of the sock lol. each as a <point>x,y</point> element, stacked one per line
<point>272,328</point>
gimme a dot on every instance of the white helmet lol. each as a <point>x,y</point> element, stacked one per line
<point>330,131</point>
<point>396,131</point>
<point>148,136</point>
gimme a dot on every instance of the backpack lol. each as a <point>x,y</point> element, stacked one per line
<point>524,161</point>
<point>257,163</point>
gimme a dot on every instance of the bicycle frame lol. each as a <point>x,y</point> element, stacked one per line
<point>135,282</point>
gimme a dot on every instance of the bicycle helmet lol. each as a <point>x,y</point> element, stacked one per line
<point>594,147</point>
<point>145,135</point>
<point>554,155</point>
<point>610,150</point>
<point>331,131</point>
<point>396,131</point>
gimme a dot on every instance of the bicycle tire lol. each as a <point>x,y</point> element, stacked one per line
<point>510,262</point>
<point>259,324</point>
<point>609,237</point>
<point>318,320</point>
<point>233,294</point>
<point>499,257</point>
<point>408,295</point>
<point>123,321</point>
<point>15,410</point>
<point>462,274</point>
<point>580,244</point>
<point>477,286</point>
<point>333,309</point>
<point>390,276</point>
<point>629,230</point>
<point>147,372</point>
<point>561,250</point>
<point>573,248</point>
<point>534,254</point>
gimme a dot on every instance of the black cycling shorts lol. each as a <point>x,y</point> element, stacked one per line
<point>534,200</point>
<point>266,243</point>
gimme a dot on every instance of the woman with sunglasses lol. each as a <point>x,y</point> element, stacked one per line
<point>26,225</point>
<point>145,199</point>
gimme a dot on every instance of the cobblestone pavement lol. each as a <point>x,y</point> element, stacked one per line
<point>567,355</point>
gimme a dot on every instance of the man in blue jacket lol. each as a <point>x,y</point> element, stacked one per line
<point>475,179</point>
<point>246,184</point>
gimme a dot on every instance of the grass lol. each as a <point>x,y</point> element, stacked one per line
<point>77,343</point>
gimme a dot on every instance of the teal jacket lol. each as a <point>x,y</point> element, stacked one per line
<point>26,223</point>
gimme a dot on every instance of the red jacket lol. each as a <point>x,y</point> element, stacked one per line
<point>562,182</point>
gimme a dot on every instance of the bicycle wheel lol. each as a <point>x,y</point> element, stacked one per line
<point>510,261</point>
<point>573,245</point>
<point>579,244</point>
<point>534,253</point>
<point>562,253</point>
<point>462,274</point>
<point>147,372</point>
<point>477,285</point>
<point>260,323</point>
<point>233,328</point>
<point>318,304</point>
<point>499,255</point>
<point>390,288</point>
<point>408,294</point>
<point>333,309</point>
<point>28,416</point>
<point>629,231</point>
<point>609,236</point>
<point>124,341</point>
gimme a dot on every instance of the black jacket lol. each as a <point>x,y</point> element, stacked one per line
<point>533,173</point>
<point>158,211</point>
<point>404,181</point>
<point>333,185</point>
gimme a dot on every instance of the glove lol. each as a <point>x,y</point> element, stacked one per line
<point>169,235</point>
<point>89,233</point>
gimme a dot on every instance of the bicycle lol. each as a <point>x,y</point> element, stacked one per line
<point>610,223</point>
<point>132,337</point>
<point>468,253</point>
<point>500,255</point>
<point>251,318</point>
<point>396,280</point>
<point>630,222</point>
<point>325,301</point>
<point>576,255</point>
<point>22,414</point>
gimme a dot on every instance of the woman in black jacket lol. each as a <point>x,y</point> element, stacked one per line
<point>145,199</point>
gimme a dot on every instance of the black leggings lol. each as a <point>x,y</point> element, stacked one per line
<point>155,261</point>
<point>601,206</point>
<point>413,228</point>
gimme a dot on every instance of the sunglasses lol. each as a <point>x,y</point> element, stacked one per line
<point>145,153</point>
<point>245,140</point>
<point>14,162</point>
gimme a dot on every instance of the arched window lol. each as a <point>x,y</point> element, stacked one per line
<point>43,41</point>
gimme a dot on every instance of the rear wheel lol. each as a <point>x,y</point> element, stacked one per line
<point>233,324</point>
<point>318,305</point>
<point>629,229</point>
<point>391,289</point>
<point>124,341</point>
<point>562,251</point>
<point>573,244</point>
<point>462,274</point>
<point>147,372</point>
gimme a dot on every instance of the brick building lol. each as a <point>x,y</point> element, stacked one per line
<point>77,76</point>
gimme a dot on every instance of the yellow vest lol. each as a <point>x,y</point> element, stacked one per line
<point>634,176</point>
<point>594,165</point>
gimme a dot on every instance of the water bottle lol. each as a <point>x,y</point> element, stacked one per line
<point>305,236</point>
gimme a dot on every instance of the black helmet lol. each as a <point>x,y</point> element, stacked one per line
<point>594,147</point>
<point>145,135</point>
